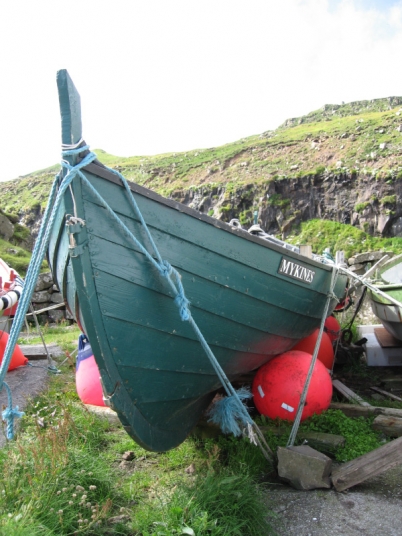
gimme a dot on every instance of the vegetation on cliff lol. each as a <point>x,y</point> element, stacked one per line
<point>345,159</point>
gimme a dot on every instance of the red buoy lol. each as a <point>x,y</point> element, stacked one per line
<point>17,359</point>
<point>325,351</point>
<point>278,385</point>
<point>332,328</point>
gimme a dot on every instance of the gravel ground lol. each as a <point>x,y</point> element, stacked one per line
<point>372,508</point>
<point>25,383</point>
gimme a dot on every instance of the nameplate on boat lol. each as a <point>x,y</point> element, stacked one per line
<point>297,271</point>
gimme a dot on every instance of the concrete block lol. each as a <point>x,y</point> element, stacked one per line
<point>304,468</point>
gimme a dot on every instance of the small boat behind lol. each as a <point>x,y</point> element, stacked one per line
<point>389,281</point>
<point>158,287</point>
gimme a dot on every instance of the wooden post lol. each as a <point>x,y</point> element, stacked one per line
<point>306,251</point>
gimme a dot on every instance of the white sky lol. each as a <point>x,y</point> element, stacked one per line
<point>173,75</point>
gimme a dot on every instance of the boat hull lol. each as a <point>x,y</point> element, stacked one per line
<point>154,370</point>
<point>251,300</point>
<point>389,314</point>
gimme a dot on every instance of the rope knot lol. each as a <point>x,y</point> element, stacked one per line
<point>9,414</point>
<point>332,296</point>
<point>182,303</point>
<point>165,268</point>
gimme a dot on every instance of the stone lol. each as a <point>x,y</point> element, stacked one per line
<point>44,282</point>
<point>357,267</point>
<point>41,297</point>
<point>56,316</point>
<point>128,455</point>
<point>370,256</point>
<point>57,298</point>
<point>304,468</point>
<point>6,228</point>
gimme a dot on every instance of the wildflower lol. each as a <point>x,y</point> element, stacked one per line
<point>58,493</point>
<point>79,488</point>
<point>64,489</point>
<point>83,497</point>
<point>88,505</point>
<point>74,495</point>
<point>90,474</point>
<point>80,521</point>
<point>92,488</point>
<point>70,502</point>
<point>60,512</point>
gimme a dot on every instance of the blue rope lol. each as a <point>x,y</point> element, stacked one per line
<point>38,254</point>
<point>163,267</point>
<point>165,270</point>
<point>10,413</point>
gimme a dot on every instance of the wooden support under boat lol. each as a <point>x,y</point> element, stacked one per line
<point>390,426</point>
<point>348,393</point>
<point>374,463</point>
<point>386,393</point>
<point>353,410</point>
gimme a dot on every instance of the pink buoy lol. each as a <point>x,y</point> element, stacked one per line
<point>332,328</point>
<point>278,385</point>
<point>325,351</point>
<point>87,376</point>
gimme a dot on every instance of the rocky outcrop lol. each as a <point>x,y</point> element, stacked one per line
<point>6,227</point>
<point>373,206</point>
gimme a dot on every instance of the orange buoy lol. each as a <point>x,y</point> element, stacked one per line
<point>325,351</point>
<point>87,376</point>
<point>278,385</point>
<point>332,328</point>
<point>17,359</point>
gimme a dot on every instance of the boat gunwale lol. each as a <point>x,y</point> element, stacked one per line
<point>98,169</point>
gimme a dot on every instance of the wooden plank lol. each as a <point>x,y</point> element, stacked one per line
<point>349,394</point>
<point>386,393</point>
<point>385,338</point>
<point>32,351</point>
<point>393,384</point>
<point>374,463</point>
<point>321,441</point>
<point>390,426</point>
<point>353,410</point>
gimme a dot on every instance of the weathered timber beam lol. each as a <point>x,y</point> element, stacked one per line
<point>349,394</point>
<point>353,410</point>
<point>390,426</point>
<point>375,462</point>
<point>386,393</point>
<point>318,440</point>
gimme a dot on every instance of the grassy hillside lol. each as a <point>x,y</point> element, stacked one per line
<point>364,138</point>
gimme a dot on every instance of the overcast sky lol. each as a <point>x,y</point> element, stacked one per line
<point>172,75</point>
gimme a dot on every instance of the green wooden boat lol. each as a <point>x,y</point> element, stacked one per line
<point>390,282</point>
<point>250,298</point>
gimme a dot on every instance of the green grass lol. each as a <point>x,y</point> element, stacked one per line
<point>62,474</point>
<point>16,257</point>
<point>321,234</point>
